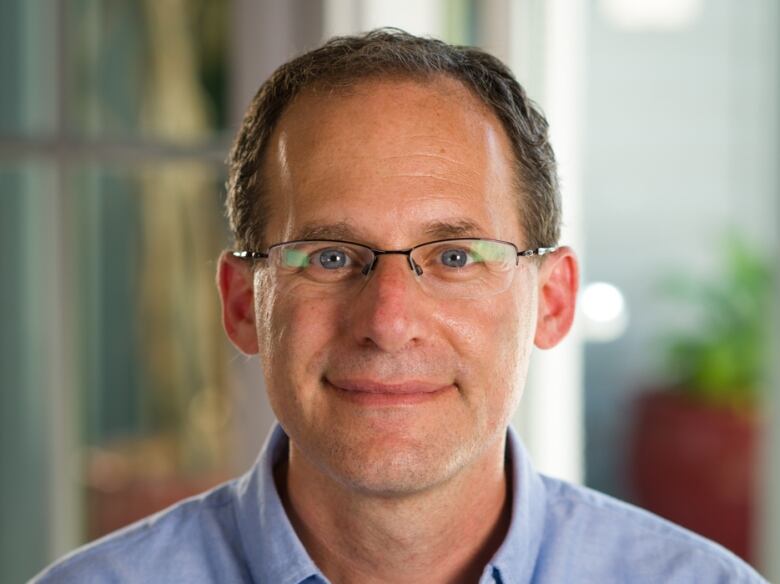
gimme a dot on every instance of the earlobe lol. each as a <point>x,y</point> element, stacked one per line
<point>558,283</point>
<point>236,290</point>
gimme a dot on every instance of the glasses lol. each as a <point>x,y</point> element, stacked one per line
<point>464,268</point>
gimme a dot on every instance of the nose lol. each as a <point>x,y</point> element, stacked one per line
<point>388,313</point>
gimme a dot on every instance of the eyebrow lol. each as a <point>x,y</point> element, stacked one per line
<point>340,230</point>
<point>440,229</point>
<point>462,227</point>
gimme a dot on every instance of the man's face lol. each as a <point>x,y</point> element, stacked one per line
<point>392,165</point>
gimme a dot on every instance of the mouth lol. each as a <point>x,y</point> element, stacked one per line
<point>369,392</point>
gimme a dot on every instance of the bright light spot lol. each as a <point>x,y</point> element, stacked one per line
<point>659,15</point>
<point>602,302</point>
<point>604,309</point>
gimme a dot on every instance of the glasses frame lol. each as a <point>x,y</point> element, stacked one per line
<point>376,252</point>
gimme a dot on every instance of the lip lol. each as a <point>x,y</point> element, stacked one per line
<point>373,393</point>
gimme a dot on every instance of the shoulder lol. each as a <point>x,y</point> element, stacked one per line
<point>194,537</point>
<point>608,540</point>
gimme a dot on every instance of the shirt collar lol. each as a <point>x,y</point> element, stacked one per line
<point>272,548</point>
<point>275,554</point>
<point>515,560</point>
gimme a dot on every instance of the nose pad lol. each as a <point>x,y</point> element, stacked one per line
<point>414,266</point>
<point>367,268</point>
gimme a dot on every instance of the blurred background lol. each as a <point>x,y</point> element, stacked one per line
<point>118,391</point>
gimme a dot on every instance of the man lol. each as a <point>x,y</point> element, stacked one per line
<point>396,215</point>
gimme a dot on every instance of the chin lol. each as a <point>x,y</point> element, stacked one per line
<point>396,468</point>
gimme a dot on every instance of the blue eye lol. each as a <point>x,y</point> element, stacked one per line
<point>332,259</point>
<point>455,258</point>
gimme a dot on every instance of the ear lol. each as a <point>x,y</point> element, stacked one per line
<point>236,290</point>
<point>558,283</point>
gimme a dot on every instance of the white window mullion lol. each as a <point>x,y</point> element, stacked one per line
<point>547,47</point>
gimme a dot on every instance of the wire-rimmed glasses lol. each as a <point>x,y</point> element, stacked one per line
<point>464,268</point>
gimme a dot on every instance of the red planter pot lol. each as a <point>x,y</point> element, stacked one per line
<point>697,465</point>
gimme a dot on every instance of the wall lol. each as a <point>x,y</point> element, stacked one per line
<point>678,146</point>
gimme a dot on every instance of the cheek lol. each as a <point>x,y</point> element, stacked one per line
<point>495,328</point>
<point>494,339</point>
<point>296,333</point>
<point>520,328</point>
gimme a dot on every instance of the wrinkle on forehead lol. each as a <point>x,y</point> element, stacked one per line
<point>438,166</point>
<point>425,155</point>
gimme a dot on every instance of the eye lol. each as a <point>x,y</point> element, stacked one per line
<point>332,258</point>
<point>455,258</point>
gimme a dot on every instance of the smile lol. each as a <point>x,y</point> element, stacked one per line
<point>372,393</point>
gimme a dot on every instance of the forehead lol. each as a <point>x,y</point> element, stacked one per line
<point>393,157</point>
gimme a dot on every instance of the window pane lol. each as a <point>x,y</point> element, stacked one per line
<point>153,70</point>
<point>27,99</point>
<point>152,351</point>
<point>23,397</point>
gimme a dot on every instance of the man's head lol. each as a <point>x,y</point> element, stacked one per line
<point>341,64</point>
<point>390,387</point>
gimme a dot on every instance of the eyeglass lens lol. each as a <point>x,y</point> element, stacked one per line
<point>457,268</point>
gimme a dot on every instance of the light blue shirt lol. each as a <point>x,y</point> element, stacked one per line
<point>559,533</point>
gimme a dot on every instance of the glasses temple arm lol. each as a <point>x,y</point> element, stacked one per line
<point>539,251</point>
<point>249,255</point>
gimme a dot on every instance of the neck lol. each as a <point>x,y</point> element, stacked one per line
<point>447,533</point>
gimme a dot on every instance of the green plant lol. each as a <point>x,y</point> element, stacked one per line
<point>722,361</point>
